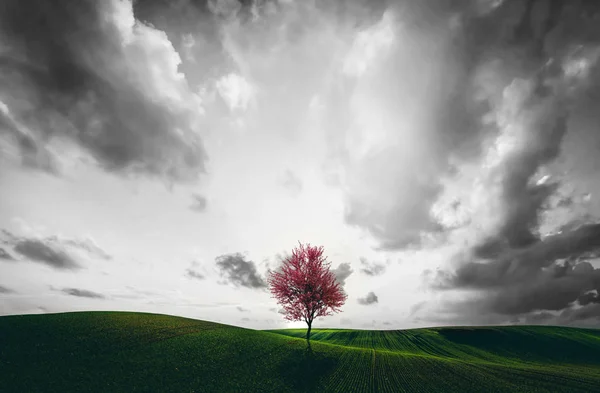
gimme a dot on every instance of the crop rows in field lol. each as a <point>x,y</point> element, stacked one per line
<point>122,352</point>
<point>353,373</point>
<point>505,345</point>
<point>486,359</point>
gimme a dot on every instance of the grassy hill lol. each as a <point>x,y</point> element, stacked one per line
<point>140,352</point>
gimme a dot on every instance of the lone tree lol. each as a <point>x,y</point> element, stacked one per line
<point>305,286</point>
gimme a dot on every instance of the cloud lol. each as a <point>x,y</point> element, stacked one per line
<point>236,91</point>
<point>551,274</point>
<point>124,103</point>
<point>371,298</point>
<point>413,112</point>
<point>5,255</point>
<point>416,308</point>
<point>225,8</point>
<point>87,244</point>
<point>588,315</point>
<point>345,321</point>
<point>199,204</point>
<point>371,269</point>
<point>190,273</point>
<point>56,251</point>
<point>291,182</point>
<point>511,258</point>
<point>368,44</point>
<point>523,263</point>
<point>236,270</point>
<point>32,155</point>
<point>242,309</point>
<point>342,272</point>
<point>47,253</point>
<point>5,290</point>
<point>589,297</point>
<point>434,103</point>
<point>82,293</point>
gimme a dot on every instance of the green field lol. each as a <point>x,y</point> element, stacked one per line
<point>139,352</point>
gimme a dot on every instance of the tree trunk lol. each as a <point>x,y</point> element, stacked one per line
<point>308,331</point>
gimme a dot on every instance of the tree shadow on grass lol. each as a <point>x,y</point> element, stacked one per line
<point>304,370</point>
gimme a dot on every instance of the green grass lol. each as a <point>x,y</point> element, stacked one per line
<point>139,352</point>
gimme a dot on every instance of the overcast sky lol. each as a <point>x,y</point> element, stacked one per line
<point>162,156</point>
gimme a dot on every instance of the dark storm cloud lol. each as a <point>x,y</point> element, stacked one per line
<point>371,269</point>
<point>537,318</point>
<point>38,250</point>
<point>81,71</point>
<point>236,270</point>
<point>82,293</point>
<point>552,274</point>
<point>483,53</point>
<point>586,314</point>
<point>371,298</point>
<point>342,272</point>
<point>521,264</point>
<point>199,203</point>
<point>521,200</point>
<point>513,270</point>
<point>589,298</point>
<point>6,290</point>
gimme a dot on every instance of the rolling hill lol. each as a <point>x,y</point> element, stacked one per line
<point>141,352</point>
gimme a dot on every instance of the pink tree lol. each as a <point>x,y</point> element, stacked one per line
<point>305,286</point>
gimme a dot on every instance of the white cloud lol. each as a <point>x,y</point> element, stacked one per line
<point>236,91</point>
<point>368,45</point>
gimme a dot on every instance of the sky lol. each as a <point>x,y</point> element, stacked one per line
<point>164,156</point>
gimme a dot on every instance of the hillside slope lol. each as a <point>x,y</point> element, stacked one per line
<point>139,352</point>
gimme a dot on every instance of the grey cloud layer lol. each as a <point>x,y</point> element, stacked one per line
<point>92,74</point>
<point>553,274</point>
<point>450,124</point>
<point>500,128</point>
<point>456,81</point>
